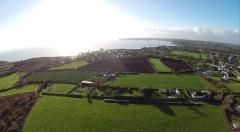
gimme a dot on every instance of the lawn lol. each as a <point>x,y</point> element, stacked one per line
<point>161,81</point>
<point>234,87</point>
<point>24,89</point>
<point>159,66</point>
<point>189,54</point>
<point>71,76</point>
<point>59,88</point>
<point>9,81</point>
<point>72,65</point>
<point>61,114</point>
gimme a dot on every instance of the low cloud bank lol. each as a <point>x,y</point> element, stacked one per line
<point>197,33</point>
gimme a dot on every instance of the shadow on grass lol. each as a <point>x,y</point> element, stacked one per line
<point>89,99</point>
<point>194,109</point>
<point>165,109</point>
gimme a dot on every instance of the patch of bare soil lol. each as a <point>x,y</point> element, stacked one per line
<point>14,109</point>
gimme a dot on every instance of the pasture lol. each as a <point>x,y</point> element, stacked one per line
<point>159,66</point>
<point>61,114</point>
<point>234,87</point>
<point>59,88</point>
<point>72,65</point>
<point>24,89</point>
<point>161,81</point>
<point>189,54</point>
<point>9,81</point>
<point>69,76</point>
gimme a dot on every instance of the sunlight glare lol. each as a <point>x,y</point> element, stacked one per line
<point>70,26</point>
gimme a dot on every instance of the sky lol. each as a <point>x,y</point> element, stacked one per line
<point>71,26</point>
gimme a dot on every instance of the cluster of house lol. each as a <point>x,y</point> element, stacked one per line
<point>220,65</point>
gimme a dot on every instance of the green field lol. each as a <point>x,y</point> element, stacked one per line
<point>72,65</point>
<point>9,81</point>
<point>72,76</point>
<point>189,54</point>
<point>234,87</point>
<point>216,78</point>
<point>24,89</point>
<point>59,88</point>
<point>161,81</point>
<point>159,66</point>
<point>61,114</point>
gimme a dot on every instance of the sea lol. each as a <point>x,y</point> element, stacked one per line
<point>26,53</point>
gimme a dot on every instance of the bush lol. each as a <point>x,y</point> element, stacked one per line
<point>218,97</point>
<point>3,126</point>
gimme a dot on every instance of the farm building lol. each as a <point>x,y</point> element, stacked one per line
<point>87,83</point>
<point>201,94</point>
<point>236,125</point>
<point>108,75</point>
<point>225,75</point>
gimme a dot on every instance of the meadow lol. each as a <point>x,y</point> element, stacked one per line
<point>59,88</point>
<point>234,87</point>
<point>69,76</point>
<point>24,89</point>
<point>189,54</point>
<point>72,65</point>
<point>161,81</point>
<point>159,66</point>
<point>62,114</point>
<point>9,81</point>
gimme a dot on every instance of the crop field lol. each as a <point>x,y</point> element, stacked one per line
<point>71,76</point>
<point>234,87</point>
<point>161,81</point>
<point>24,89</point>
<point>9,81</point>
<point>59,88</point>
<point>72,65</point>
<point>176,65</point>
<point>159,66</point>
<point>131,64</point>
<point>61,114</point>
<point>189,54</point>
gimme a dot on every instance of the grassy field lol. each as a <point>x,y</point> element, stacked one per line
<point>59,88</point>
<point>161,81</point>
<point>9,81</point>
<point>159,66</point>
<point>72,65</point>
<point>216,78</point>
<point>24,89</point>
<point>61,114</point>
<point>72,76</point>
<point>234,87</point>
<point>189,54</point>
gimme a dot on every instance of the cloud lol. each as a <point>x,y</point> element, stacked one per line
<point>198,33</point>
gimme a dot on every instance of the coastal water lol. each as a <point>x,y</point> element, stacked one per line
<point>133,44</point>
<point>26,53</point>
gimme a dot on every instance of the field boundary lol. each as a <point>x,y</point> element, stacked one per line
<point>123,99</point>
